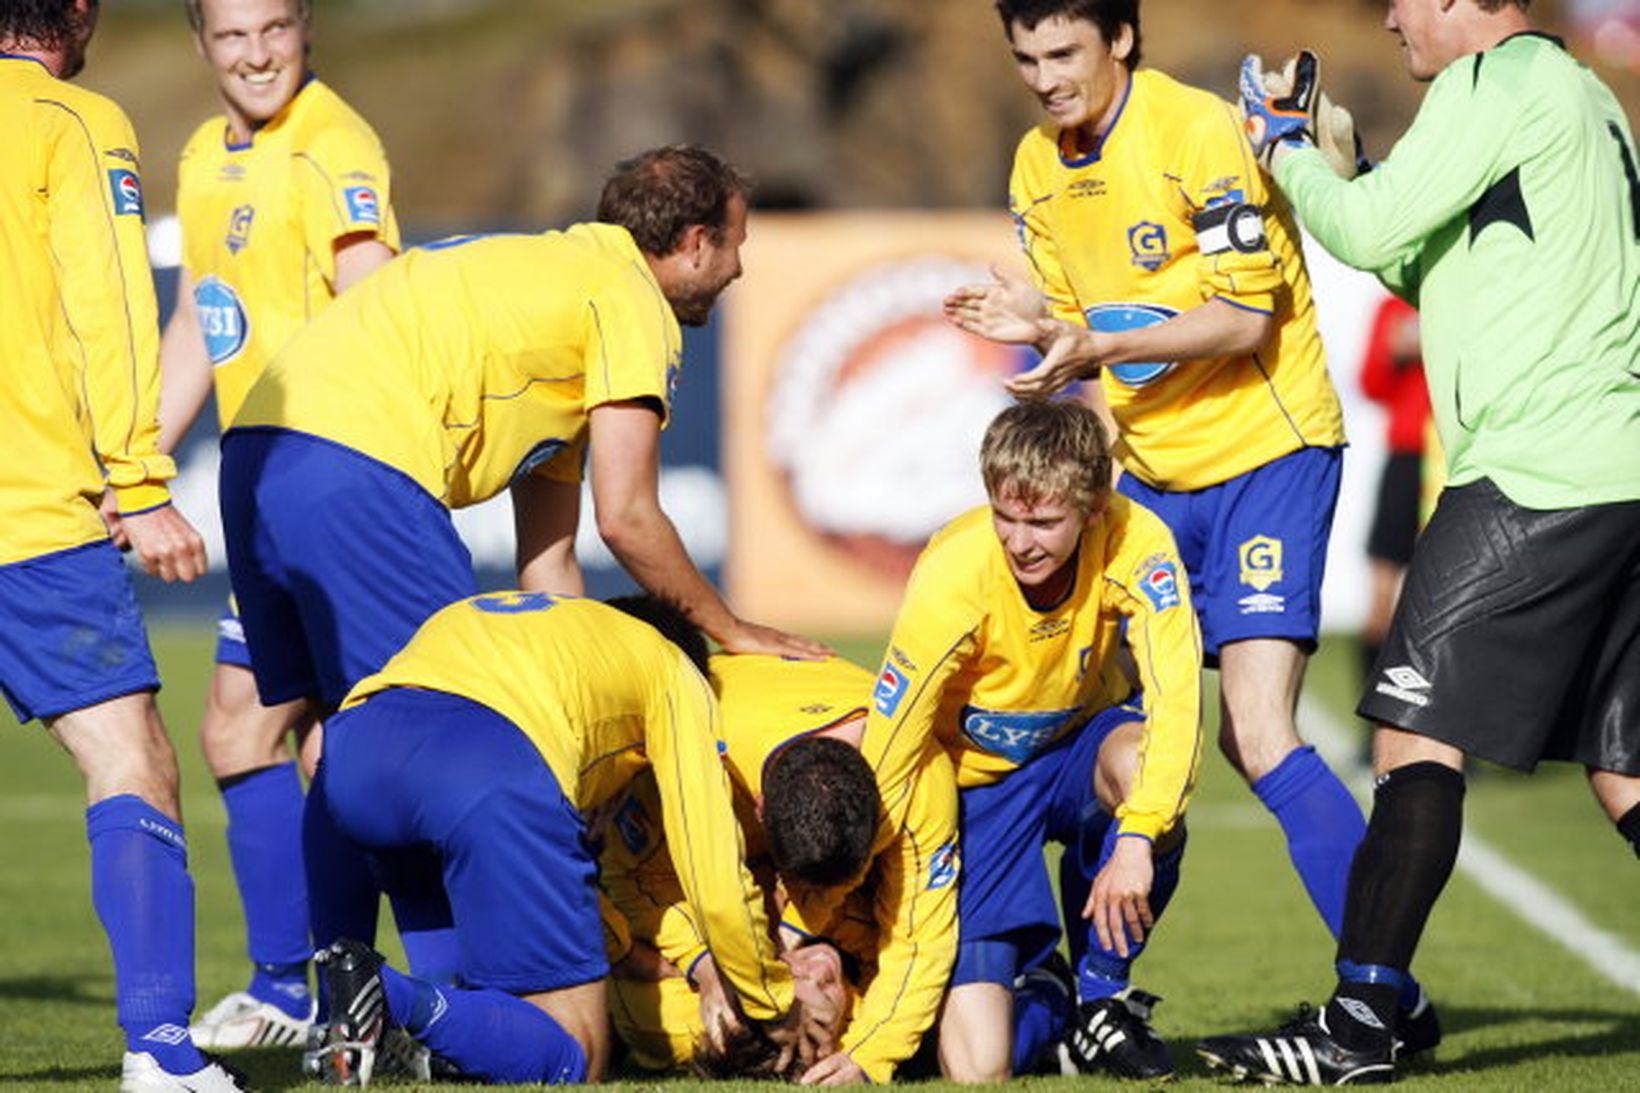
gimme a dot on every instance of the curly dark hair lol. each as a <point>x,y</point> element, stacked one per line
<point>819,810</point>
<point>658,195</point>
<point>669,619</point>
<point>747,1053</point>
<point>50,24</point>
<point>1107,15</point>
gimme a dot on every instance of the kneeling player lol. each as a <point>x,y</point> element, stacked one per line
<point>466,765</point>
<point>809,810</point>
<point>1008,653</point>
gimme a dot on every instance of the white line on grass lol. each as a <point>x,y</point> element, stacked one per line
<point>1531,899</point>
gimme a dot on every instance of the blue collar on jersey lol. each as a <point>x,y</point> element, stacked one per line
<point>1099,145</point>
<point>257,128</point>
<point>4,56</point>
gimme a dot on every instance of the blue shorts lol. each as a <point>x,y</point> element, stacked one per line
<point>1007,913</point>
<point>230,638</point>
<point>1255,546</point>
<point>71,634</point>
<point>411,771</point>
<point>336,560</point>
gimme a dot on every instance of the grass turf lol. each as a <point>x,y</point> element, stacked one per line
<point>1238,948</point>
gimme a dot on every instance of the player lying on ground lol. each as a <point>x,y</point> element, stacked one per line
<point>809,811</point>
<point>466,768</point>
<point>1007,653</point>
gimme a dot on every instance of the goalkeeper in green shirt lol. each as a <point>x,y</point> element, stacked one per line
<point>1509,214</point>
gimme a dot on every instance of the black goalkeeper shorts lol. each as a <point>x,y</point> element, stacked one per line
<point>1517,636</point>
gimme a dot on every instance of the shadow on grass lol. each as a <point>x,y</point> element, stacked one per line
<point>74,990</point>
<point>1539,1033</point>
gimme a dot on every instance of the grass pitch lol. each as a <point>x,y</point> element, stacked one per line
<point>1238,948</point>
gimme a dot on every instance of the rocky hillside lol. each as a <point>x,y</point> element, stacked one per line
<point>510,111</point>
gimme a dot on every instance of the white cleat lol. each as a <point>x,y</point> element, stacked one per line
<point>141,1073</point>
<point>241,1020</point>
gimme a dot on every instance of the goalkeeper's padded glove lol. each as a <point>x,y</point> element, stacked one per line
<point>1338,141</point>
<point>1277,122</point>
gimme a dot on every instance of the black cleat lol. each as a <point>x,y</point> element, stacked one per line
<point>1301,1052</point>
<point>1114,1035</point>
<point>1418,1029</point>
<point>358,1013</point>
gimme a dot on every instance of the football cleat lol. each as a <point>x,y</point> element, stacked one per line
<point>242,1020</point>
<point>358,1022</point>
<point>1114,1035</point>
<point>1301,1052</point>
<point>1417,1029</point>
<point>140,1072</point>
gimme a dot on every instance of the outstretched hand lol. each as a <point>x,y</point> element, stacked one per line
<point>751,637</point>
<point>1006,309</point>
<point>1119,904</point>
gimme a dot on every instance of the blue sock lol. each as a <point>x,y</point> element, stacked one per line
<point>145,898</point>
<point>1041,1010</point>
<point>1323,825</point>
<point>343,897</point>
<point>1077,868</point>
<point>1102,971</point>
<point>265,842</point>
<point>490,1035</point>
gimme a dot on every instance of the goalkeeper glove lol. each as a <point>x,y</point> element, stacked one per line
<point>1276,122</point>
<point>1337,139</point>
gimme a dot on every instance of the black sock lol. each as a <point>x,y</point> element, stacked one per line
<point>1361,1016</point>
<point>1629,828</point>
<point>1403,863</point>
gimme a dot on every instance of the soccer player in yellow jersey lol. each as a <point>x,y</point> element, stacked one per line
<point>1012,652</point>
<point>467,767</point>
<point>809,810</point>
<point>283,199</point>
<point>79,387</point>
<point>458,371</point>
<point>1170,271</point>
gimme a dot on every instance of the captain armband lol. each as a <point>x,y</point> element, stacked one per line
<point>1231,226</point>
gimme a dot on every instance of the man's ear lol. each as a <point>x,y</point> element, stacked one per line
<point>692,244</point>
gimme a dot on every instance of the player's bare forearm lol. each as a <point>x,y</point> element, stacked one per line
<point>185,370</point>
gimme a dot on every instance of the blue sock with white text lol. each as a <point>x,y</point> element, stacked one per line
<point>1102,971</point>
<point>265,843</point>
<point>145,899</point>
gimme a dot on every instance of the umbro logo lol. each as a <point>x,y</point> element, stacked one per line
<point>1405,684</point>
<point>167,1034</point>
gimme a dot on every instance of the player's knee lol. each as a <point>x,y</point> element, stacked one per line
<point>1118,765</point>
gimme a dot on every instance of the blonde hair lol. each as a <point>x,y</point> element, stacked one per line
<point>1037,451</point>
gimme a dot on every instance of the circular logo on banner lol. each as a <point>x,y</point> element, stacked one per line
<point>1115,318</point>
<point>877,406</point>
<point>222,319</point>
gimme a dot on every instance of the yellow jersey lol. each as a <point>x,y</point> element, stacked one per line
<point>900,926</point>
<point>470,363</point>
<point>605,698</point>
<point>260,222</point>
<point>1168,212</point>
<point>79,330</point>
<point>976,670</point>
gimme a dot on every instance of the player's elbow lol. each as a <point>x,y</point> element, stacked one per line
<point>1247,331</point>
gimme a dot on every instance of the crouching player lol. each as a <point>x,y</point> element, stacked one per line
<point>1008,651</point>
<point>466,766</point>
<point>809,809</point>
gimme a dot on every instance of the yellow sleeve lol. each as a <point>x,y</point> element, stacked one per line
<point>631,350</point>
<point>1025,203</point>
<point>101,251</point>
<point>1228,197</point>
<point>933,637</point>
<point>916,914</point>
<point>343,189</point>
<point>1152,590</point>
<point>698,817</point>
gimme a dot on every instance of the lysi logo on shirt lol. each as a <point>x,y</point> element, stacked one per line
<point>127,191</point>
<point>363,206</point>
<point>1014,735</point>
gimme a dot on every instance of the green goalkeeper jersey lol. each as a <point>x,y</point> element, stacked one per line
<point>1509,214</point>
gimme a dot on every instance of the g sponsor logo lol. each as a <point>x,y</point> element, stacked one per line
<point>1260,562</point>
<point>1148,242</point>
<point>222,318</point>
<point>239,228</point>
<point>1116,318</point>
<point>633,825</point>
